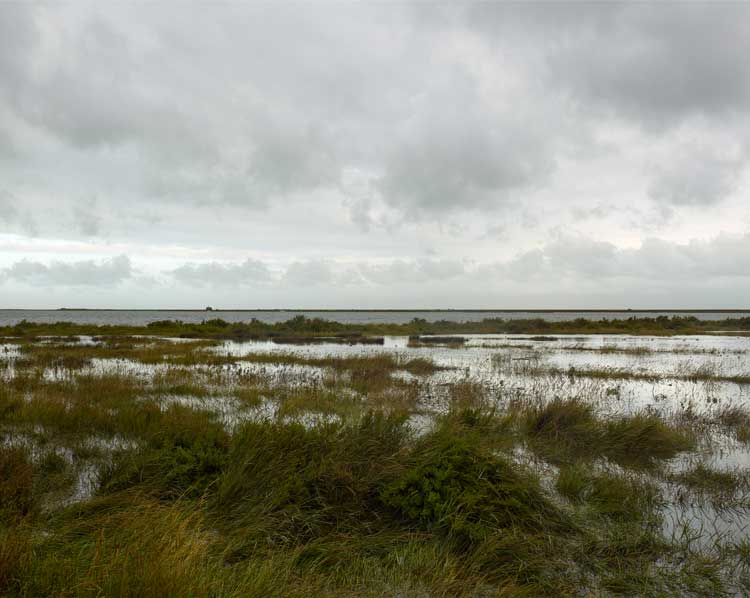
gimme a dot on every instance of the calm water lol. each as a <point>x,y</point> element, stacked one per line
<point>141,317</point>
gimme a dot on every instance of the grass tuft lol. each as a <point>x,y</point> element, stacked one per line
<point>564,430</point>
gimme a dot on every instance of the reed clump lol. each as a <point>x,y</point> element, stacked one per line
<point>564,430</point>
<point>608,494</point>
<point>703,478</point>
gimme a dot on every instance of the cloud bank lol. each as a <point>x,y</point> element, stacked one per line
<point>490,154</point>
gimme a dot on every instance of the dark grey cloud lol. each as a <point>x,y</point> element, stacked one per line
<point>277,122</point>
<point>17,35</point>
<point>654,62</point>
<point>86,218</point>
<point>661,62</point>
<point>223,107</point>
<point>14,217</point>
<point>87,96</point>
<point>8,208</point>
<point>458,151</point>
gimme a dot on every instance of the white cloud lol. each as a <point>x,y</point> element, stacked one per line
<point>248,273</point>
<point>107,273</point>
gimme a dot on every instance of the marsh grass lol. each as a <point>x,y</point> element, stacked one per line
<point>377,364</point>
<point>644,439</point>
<point>719,483</point>
<point>608,494</point>
<point>454,342</point>
<point>644,350</point>
<point>736,419</point>
<point>143,350</point>
<point>327,401</point>
<point>16,490</point>
<point>356,504</point>
<point>636,351</point>
<point>129,545</point>
<point>701,374</point>
<point>564,430</point>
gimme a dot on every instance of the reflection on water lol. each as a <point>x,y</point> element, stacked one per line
<point>508,364</point>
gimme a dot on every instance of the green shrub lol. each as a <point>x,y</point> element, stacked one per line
<point>454,486</point>
<point>184,459</point>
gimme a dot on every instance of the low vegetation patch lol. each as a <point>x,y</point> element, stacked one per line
<point>709,480</point>
<point>564,430</point>
<point>608,494</point>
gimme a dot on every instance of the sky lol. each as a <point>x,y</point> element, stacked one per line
<point>375,155</point>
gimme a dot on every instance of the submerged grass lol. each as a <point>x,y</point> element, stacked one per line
<point>607,494</point>
<point>699,375</point>
<point>709,480</point>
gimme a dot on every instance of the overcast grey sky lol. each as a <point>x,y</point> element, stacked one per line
<point>375,155</point>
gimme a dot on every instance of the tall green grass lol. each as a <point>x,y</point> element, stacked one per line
<point>564,430</point>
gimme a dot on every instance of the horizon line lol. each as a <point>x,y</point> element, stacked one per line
<point>424,310</point>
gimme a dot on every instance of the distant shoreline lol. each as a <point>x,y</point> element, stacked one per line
<point>387,310</point>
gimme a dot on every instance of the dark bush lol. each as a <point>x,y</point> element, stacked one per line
<point>454,486</point>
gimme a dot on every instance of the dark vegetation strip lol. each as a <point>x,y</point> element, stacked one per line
<point>301,326</point>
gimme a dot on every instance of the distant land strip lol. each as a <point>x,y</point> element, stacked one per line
<point>389,310</point>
